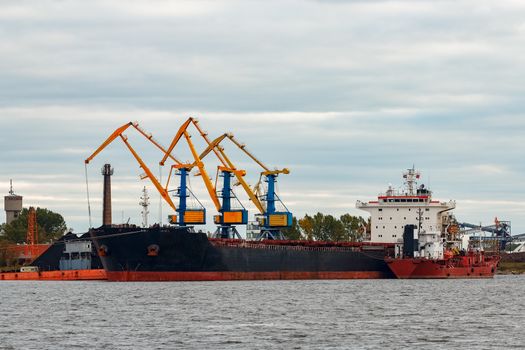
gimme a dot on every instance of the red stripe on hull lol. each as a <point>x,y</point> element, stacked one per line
<point>123,276</point>
<point>68,275</point>
<point>427,269</point>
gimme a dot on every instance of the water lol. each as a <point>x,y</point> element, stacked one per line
<point>351,314</point>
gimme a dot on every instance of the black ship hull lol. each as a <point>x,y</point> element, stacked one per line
<point>177,254</point>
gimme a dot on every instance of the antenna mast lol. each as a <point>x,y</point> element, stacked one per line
<point>144,202</point>
<point>411,176</point>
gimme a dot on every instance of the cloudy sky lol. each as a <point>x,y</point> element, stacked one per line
<point>347,94</point>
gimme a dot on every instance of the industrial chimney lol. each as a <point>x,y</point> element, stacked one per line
<point>107,171</point>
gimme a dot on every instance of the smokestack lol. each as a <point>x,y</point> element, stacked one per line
<point>107,171</point>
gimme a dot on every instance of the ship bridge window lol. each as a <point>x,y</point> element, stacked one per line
<point>380,209</point>
<point>427,209</point>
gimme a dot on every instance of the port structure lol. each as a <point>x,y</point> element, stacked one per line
<point>271,221</point>
<point>185,216</point>
<point>31,235</point>
<point>228,217</point>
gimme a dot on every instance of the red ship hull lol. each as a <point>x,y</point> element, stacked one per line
<point>68,275</point>
<point>473,266</point>
<point>126,276</point>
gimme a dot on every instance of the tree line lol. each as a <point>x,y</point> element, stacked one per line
<point>321,227</point>
<point>50,226</point>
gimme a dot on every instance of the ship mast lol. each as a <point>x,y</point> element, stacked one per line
<point>411,176</point>
<point>144,203</point>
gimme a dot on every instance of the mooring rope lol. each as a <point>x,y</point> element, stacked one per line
<point>87,192</point>
<point>160,196</point>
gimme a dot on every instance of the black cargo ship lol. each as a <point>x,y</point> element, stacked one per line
<point>168,253</point>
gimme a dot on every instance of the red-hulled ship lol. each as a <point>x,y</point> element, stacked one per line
<point>430,255</point>
<point>171,253</point>
<point>473,264</point>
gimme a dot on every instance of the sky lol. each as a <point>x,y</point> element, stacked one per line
<point>346,94</point>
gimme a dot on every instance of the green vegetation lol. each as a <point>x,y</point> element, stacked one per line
<point>322,227</point>
<point>50,226</point>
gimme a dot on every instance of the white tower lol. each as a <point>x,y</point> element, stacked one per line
<point>12,205</point>
<point>144,202</point>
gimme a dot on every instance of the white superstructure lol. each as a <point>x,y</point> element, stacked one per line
<point>413,205</point>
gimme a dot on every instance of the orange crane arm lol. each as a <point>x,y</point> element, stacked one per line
<point>155,142</point>
<point>215,145</point>
<point>242,147</point>
<point>110,139</point>
<point>204,135</point>
<point>176,140</point>
<point>204,174</point>
<point>164,193</point>
<point>198,162</point>
<point>119,132</point>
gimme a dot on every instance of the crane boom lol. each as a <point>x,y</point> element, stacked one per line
<point>204,135</point>
<point>242,147</point>
<point>203,172</point>
<point>155,142</point>
<point>176,140</point>
<point>119,133</point>
<point>110,139</point>
<point>215,146</point>
<point>149,174</point>
<point>182,132</point>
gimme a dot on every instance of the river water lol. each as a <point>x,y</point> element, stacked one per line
<point>349,314</point>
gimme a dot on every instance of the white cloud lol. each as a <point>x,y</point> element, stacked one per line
<point>345,93</point>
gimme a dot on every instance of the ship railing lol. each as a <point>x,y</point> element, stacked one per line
<point>303,245</point>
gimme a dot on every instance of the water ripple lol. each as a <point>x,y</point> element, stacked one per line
<point>353,314</point>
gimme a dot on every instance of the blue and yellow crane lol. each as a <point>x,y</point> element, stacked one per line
<point>186,216</point>
<point>271,221</point>
<point>228,217</point>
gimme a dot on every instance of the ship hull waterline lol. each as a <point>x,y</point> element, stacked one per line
<point>66,275</point>
<point>174,254</point>
<point>435,269</point>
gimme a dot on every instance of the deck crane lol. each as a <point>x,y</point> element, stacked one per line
<point>271,220</point>
<point>185,216</point>
<point>228,217</point>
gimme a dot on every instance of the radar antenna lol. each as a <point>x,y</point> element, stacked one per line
<point>411,176</point>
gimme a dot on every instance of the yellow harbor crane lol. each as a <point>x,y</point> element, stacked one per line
<point>271,220</point>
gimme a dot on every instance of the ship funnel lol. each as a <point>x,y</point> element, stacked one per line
<point>107,171</point>
<point>410,242</point>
